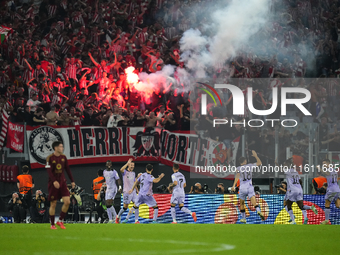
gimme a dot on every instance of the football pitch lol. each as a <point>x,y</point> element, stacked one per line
<point>130,239</point>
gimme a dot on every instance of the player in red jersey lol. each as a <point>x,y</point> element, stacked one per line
<point>56,163</point>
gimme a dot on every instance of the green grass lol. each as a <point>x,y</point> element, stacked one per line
<point>131,239</point>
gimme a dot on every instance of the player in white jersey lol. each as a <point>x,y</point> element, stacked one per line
<point>145,195</point>
<point>110,177</point>
<point>333,189</point>
<point>246,187</point>
<point>132,209</point>
<point>178,195</point>
<point>294,192</point>
<point>129,178</point>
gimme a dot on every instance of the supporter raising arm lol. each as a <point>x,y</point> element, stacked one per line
<point>103,66</point>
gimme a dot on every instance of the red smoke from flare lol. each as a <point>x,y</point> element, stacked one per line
<point>133,80</point>
<point>131,76</point>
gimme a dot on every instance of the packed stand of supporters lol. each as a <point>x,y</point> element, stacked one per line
<point>64,62</point>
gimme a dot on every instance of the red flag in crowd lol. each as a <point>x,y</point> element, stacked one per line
<point>15,137</point>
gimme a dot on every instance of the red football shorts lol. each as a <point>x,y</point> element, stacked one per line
<point>57,194</point>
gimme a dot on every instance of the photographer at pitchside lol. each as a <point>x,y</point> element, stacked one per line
<point>39,209</point>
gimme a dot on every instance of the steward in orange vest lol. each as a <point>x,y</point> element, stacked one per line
<point>25,182</point>
<point>96,188</point>
<point>318,182</point>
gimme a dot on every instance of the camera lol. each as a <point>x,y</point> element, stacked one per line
<point>102,194</point>
<point>220,188</point>
<point>77,190</point>
<point>163,189</point>
<point>233,192</point>
<point>281,188</point>
<point>42,195</point>
<point>196,189</point>
<point>104,187</point>
<point>205,188</point>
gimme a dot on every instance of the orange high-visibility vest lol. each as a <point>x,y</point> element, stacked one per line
<point>96,188</point>
<point>320,181</point>
<point>25,183</point>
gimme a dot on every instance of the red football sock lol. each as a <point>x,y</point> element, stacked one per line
<point>52,219</point>
<point>62,215</point>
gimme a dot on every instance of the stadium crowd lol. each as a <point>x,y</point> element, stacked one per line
<point>64,61</point>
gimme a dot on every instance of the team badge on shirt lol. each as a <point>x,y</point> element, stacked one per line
<point>58,168</point>
<point>40,142</point>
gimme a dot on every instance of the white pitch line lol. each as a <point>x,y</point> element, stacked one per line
<point>142,252</point>
<point>143,240</point>
<point>217,247</point>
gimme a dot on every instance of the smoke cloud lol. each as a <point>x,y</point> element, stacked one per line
<point>232,27</point>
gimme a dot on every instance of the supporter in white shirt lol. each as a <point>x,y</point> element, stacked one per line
<point>114,118</point>
<point>33,102</point>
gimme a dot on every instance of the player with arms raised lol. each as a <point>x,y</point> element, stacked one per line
<point>110,177</point>
<point>129,178</point>
<point>178,195</point>
<point>56,164</point>
<point>333,190</point>
<point>246,187</point>
<point>294,192</point>
<point>146,181</point>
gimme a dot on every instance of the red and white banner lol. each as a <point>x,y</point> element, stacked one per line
<point>3,134</point>
<point>89,145</point>
<point>15,137</point>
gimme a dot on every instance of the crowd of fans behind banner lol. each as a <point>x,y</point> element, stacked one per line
<point>64,63</point>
